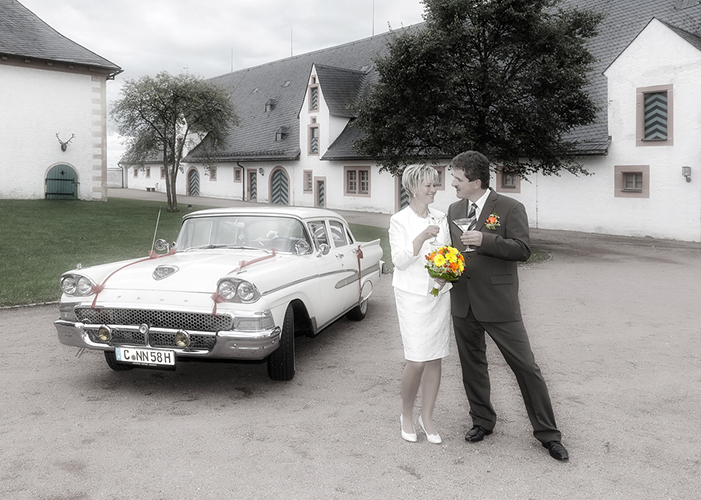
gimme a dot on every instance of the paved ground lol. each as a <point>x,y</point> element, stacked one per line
<point>614,323</point>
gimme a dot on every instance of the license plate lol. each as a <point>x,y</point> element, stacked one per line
<point>145,357</point>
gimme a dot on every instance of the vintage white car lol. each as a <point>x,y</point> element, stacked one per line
<point>238,284</point>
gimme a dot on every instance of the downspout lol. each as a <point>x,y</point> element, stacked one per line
<point>243,181</point>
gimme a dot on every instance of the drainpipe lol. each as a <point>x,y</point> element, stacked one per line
<point>243,181</point>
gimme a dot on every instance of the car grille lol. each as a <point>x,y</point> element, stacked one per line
<point>201,322</point>
<point>124,337</point>
<point>191,322</point>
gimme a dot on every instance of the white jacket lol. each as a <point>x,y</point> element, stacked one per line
<point>410,273</point>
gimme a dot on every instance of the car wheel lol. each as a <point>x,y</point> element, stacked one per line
<point>358,312</point>
<point>281,363</point>
<point>112,362</point>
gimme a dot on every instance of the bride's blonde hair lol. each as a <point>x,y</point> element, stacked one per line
<point>414,175</point>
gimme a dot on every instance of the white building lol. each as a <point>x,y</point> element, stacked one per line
<point>295,141</point>
<point>53,123</point>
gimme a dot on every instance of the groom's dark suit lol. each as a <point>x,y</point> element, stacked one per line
<point>486,298</point>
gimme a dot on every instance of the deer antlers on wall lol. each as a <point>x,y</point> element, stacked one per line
<point>64,144</point>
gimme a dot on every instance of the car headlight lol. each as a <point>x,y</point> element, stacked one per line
<point>69,284</point>
<point>76,285</point>
<point>246,291</point>
<point>237,291</point>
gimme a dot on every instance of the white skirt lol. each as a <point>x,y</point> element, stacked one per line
<point>424,322</point>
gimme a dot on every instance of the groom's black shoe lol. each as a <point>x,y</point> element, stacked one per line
<point>557,451</point>
<point>477,433</point>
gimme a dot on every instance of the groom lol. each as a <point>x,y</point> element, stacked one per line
<point>486,298</point>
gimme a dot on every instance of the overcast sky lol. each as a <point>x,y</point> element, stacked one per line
<point>208,38</point>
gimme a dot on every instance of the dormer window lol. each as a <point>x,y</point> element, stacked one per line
<point>313,139</point>
<point>269,105</point>
<point>313,95</point>
<point>280,134</point>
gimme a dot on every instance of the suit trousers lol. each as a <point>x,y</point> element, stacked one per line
<point>512,340</point>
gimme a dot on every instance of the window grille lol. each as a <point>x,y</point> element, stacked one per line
<point>655,116</point>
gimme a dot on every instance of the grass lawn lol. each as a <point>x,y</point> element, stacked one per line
<point>41,239</point>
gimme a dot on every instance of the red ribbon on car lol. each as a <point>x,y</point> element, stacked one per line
<point>96,289</point>
<point>359,253</point>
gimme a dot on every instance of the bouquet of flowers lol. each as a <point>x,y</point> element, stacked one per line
<point>445,262</point>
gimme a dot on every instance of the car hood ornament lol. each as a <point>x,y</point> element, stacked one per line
<point>162,272</point>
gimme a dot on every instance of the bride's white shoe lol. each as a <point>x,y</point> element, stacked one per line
<point>407,436</point>
<point>432,438</point>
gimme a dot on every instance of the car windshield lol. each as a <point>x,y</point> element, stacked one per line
<point>284,234</point>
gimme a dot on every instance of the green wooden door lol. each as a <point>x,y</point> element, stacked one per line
<point>61,183</point>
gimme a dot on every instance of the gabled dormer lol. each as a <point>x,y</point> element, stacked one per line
<point>653,109</point>
<point>332,94</point>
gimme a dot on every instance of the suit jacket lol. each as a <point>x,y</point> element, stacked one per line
<point>489,284</point>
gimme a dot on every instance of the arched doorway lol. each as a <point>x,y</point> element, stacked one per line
<point>61,183</point>
<point>193,182</point>
<point>279,187</point>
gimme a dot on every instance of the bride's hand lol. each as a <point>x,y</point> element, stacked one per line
<point>440,283</point>
<point>430,232</point>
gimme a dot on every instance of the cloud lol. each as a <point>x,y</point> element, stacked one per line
<point>145,37</point>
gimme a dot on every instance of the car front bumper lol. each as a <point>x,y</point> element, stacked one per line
<point>232,345</point>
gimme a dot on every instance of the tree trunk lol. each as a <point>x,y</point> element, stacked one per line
<point>169,189</point>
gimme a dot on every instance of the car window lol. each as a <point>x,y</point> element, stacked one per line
<point>284,234</point>
<point>318,230</point>
<point>338,233</point>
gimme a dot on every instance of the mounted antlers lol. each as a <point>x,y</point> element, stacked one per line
<point>64,145</point>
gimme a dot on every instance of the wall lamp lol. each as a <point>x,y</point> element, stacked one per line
<point>261,171</point>
<point>686,172</point>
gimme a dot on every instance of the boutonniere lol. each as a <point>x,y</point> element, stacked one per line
<point>492,221</point>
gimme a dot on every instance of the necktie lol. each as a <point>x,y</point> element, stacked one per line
<point>472,216</point>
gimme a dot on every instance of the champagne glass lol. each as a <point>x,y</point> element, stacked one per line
<point>464,224</point>
<point>436,221</point>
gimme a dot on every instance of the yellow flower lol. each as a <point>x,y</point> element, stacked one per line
<point>439,260</point>
<point>451,257</point>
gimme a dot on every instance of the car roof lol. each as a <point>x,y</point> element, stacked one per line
<point>301,212</point>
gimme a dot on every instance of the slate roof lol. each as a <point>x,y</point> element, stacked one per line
<point>23,34</point>
<point>341,88</point>
<point>285,81</point>
<point>254,138</point>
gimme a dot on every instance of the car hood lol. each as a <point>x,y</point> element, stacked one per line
<point>196,271</point>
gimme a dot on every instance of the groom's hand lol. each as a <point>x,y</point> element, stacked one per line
<point>471,238</point>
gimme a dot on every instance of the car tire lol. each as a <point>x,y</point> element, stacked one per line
<point>281,363</point>
<point>358,312</point>
<point>112,362</point>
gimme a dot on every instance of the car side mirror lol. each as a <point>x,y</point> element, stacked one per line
<point>324,249</point>
<point>162,246</point>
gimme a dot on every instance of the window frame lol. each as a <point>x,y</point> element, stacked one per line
<point>312,127</point>
<point>502,187</point>
<point>307,181</point>
<point>620,191</point>
<point>347,191</point>
<point>441,176</point>
<point>314,86</point>
<point>641,92</point>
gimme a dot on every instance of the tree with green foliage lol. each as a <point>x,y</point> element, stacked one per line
<point>162,117</point>
<point>507,78</point>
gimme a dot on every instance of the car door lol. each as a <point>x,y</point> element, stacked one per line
<point>330,297</point>
<point>346,251</point>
